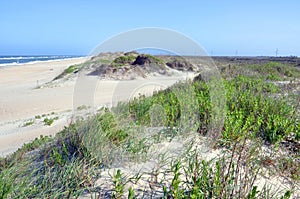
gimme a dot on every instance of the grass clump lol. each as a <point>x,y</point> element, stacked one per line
<point>28,123</point>
<point>72,69</point>
<point>110,127</point>
<point>49,121</point>
<point>122,60</point>
<point>76,68</point>
<point>82,107</point>
<point>60,169</point>
<point>154,59</point>
<point>118,189</point>
<point>20,154</point>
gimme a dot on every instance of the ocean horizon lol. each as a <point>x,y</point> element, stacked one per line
<point>24,59</point>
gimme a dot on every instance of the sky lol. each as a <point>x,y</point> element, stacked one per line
<point>62,27</point>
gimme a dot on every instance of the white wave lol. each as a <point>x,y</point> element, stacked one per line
<point>10,64</point>
<point>10,58</point>
<point>50,60</point>
<point>39,61</point>
<point>34,57</point>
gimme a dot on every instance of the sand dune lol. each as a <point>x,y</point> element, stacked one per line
<point>21,101</point>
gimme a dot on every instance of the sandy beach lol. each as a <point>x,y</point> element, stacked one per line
<point>21,101</point>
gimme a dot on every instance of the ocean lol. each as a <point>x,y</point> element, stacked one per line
<point>16,60</point>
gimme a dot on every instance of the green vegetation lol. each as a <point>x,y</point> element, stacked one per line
<point>251,107</point>
<point>154,59</point>
<point>13,159</point>
<point>28,123</point>
<point>273,71</point>
<point>69,70</point>
<point>77,67</point>
<point>122,60</point>
<point>118,185</point>
<point>276,69</point>
<point>72,69</point>
<point>130,59</point>
<point>258,113</point>
<point>82,107</point>
<point>49,121</point>
<point>46,120</point>
<point>105,61</point>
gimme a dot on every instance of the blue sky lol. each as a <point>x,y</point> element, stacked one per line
<point>221,27</point>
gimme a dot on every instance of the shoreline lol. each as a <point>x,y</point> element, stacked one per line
<point>20,101</point>
<point>43,61</point>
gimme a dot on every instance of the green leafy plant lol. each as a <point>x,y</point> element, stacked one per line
<point>48,121</point>
<point>175,190</point>
<point>131,193</point>
<point>119,184</point>
<point>28,123</point>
